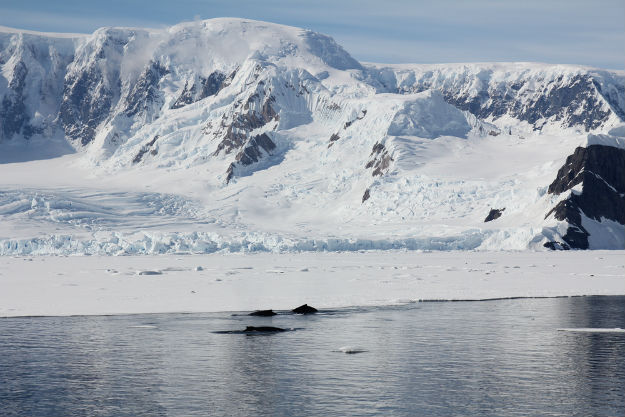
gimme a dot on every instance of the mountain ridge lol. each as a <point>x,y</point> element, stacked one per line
<point>255,105</point>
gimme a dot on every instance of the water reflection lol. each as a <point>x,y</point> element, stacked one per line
<point>53,365</point>
<point>500,358</point>
<point>596,357</point>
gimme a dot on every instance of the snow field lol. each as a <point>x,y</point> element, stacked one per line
<point>236,282</point>
<point>435,197</point>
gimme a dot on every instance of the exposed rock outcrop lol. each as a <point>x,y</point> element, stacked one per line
<point>600,171</point>
<point>380,162</point>
<point>201,88</point>
<point>148,147</point>
<point>333,138</point>
<point>243,120</point>
<point>379,159</point>
<point>366,195</point>
<point>32,70</point>
<point>92,85</point>
<point>359,117</point>
<point>87,101</point>
<point>252,152</point>
<point>13,110</point>
<point>494,214</point>
<point>146,93</point>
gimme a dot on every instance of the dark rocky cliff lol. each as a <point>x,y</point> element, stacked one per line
<point>601,172</point>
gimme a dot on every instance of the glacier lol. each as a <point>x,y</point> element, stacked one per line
<point>233,135</point>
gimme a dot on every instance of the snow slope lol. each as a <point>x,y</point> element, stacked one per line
<point>236,135</point>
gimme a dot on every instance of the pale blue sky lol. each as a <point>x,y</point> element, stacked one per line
<point>590,32</point>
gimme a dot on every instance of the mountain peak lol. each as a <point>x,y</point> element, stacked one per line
<point>237,39</point>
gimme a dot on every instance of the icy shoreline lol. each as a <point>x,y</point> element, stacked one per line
<point>102,285</point>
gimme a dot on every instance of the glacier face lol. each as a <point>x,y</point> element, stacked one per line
<point>294,143</point>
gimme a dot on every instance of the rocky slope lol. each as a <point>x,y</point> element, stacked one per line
<point>594,177</point>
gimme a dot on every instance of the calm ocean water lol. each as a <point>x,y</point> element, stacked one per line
<point>490,358</point>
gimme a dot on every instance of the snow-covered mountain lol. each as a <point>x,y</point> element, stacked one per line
<point>517,96</point>
<point>278,133</point>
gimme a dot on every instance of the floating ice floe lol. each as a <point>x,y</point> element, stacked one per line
<point>593,330</point>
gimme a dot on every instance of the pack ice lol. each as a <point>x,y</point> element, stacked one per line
<point>241,136</point>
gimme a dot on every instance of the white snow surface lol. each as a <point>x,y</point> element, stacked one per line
<point>245,282</point>
<point>447,167</point>
<point>435,198</point>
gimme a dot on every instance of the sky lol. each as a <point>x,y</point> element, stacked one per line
<point>589,32</point>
